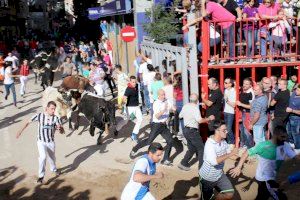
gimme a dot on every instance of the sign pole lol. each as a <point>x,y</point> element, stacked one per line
<point>127,60</point>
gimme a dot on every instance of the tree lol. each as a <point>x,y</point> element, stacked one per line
<point>161,24</point>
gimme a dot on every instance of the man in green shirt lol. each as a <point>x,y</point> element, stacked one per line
<point>271,154</point>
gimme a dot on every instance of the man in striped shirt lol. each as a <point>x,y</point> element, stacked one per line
<point>211,173</point>
<point>48,123</point>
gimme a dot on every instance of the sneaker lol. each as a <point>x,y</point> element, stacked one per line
<point>292,145</point>
<point>182,167</point>
<point>264,60</point>
<point>57,173</point>
<point>228,61</point>
<point>133,137</point>
<point>132,154</point>
<point>40,180</point>
<point>166,162</point>
<point>297,151</point>
<point>5,97</point>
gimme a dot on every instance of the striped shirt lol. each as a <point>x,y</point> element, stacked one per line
<point>46,127</point>
<point>211,170</point>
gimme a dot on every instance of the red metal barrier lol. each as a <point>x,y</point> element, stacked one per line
<point>219,52</point>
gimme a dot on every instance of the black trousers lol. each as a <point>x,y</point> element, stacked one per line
<point>267,189</point>
<point>194,145</point>
<point>110,80</point>
<point>156,129</point>
<point>278,121</point>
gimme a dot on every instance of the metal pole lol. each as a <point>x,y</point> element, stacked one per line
<point>237,111</point>
<point>185,84</point>
<point>117,41</point>
<point>193,56</point>
<point>127,61</point>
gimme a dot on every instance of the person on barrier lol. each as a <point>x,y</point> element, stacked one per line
<point>211,174</point>
<point>161,111</point>
<point>143,172</point>
<point>271,154</point>
<point>192,118</point>
<point>214,103</point>
<point>219,13</point>
<point>267,11</point>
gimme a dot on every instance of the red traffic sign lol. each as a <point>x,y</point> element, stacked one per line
<point>128,34</point>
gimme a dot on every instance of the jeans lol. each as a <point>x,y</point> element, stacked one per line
<point>145,90</point>
<point>194,145</point>
<point>212,43</point>
<point>278,45</point>
<point>251,42</point>
<point>246,137</point>
<point>156,129</point>
<point>228,35</point>
<point>258,133</point>
<point>228,118</point>
<point>293,128</point>
<point>13,91</point>
<point>263,42</point>
<point>178,121</point>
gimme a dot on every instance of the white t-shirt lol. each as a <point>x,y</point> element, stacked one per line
<point>12,59</point>
<point>169,92</point>
<point>7,80</point>
<point>159,106</point>
<point>191,115</point>
<point>134,190</point>
<point>229,94</point>
<point>144,70</point>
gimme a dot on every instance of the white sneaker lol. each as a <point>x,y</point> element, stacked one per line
<point>292,145</point>
<point>297,151</point>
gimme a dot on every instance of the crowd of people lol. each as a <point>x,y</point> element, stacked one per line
<point>254,32</point>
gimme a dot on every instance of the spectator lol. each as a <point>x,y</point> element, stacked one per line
<point>161,110</point>
<point>219,13</point>
<point>192,118</point>
<point>294,119</point>
<point>149,80</point>
<point>292,83</point>
<point>86,70</point>
<point>246,97</point>
<point>258,114</point>
<point>97,79</point>
<point>213,103</point>
<point>24,72</point>
<point>281,102</point>
<point>169,90</point>
<point>250,12</point>
<point>13,59</point>
<point>274,84</point>
<point>178,96</point>
<point>230,99</point>
<point>280,29</point>
<point>211,174</point>
<point>131,99</point>
<point>267,11</point>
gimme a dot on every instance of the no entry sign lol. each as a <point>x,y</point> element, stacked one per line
<point>128,34</point>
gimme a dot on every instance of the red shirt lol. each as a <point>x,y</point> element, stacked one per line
<point>33,44</point>
<point>24,71</point>
<point>178,93</point>
<point>109,46</point>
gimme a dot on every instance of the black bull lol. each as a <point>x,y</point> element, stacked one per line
<point>99,112</point>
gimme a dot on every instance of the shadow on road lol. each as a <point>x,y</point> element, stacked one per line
<point>58,190</point>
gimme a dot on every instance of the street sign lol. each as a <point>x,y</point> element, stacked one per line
<point>128,34</point>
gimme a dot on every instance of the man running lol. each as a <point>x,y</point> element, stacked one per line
<point>143,172</point>
<point>271,154</point>
<point>48,123</point>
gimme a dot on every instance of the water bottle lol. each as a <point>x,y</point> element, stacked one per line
<point>294,178</point>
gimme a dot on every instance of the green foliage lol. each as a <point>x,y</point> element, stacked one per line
<point>161,24</point>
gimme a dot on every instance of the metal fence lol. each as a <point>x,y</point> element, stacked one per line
<point>160,52</point>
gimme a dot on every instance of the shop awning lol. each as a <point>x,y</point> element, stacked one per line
<point>116,7</point>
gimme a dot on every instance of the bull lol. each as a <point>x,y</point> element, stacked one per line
<point>99,112</point>
<point>66,103</point>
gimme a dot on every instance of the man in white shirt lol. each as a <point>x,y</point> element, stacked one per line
<point>211,174</point>
<point>143,71</point>
<point>161,111</point>
<point>143,172</point>
<point>11,58</point>
<point>8,81</point>
<point>230,98</point>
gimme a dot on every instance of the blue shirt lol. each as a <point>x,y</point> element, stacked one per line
<point>260,105</point>
<point>295,104</point>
